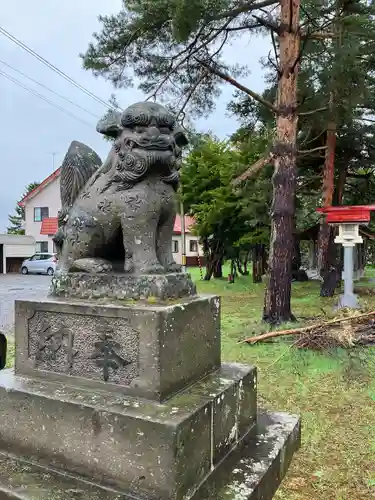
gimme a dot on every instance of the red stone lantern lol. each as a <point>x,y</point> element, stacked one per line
<point>354,214</point>
<point>348,218</point>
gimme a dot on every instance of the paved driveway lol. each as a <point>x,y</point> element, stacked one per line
<point>17,286</point>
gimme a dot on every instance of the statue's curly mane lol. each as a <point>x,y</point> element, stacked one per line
<point>136,153</point>
<point>132,168</point>
<point>96,223</point>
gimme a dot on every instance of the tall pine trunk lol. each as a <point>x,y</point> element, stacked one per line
<point>213,253</point>
<point>277,307</point>
<point>258,263</point>
<point>326,260</point>
<point>341,181</point>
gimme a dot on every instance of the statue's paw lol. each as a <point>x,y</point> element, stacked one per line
<point>61,271</point>
<point>92,265</point>
<point>128,266</point>
<point>152,268</point>
<point>57,274</point>
<point>173,268</point>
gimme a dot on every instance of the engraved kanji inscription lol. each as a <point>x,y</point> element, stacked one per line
<point>105,353</point>
<point>84,346</point>
<point>51,342</point>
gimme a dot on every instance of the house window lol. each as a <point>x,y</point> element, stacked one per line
<point>40,213</point>
<point>42,246</point>
<point>193,246</point>
<point>175,246</point>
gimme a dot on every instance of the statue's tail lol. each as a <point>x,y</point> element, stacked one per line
<point>79,164</point>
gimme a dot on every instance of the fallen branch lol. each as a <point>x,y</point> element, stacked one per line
<point>295,331</point>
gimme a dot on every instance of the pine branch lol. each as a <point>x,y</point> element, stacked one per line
<point>229,79</point>
<point>313,111</point>
<point>190,95</point>
<point>359,176</point>
<point>267,23</point>
<point>313,150</point>
<point>246,7</point>
<point>246,26</point>
<point>318,35</point>
<point>305,35</point>
<point>187,52</point>
<point>307,140</point>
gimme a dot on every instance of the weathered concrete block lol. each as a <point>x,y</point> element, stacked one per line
<point>118,286</point>
<point>255,469</point>
<point>144,350</point>
<point>162,451</point>
<point>253,472</point>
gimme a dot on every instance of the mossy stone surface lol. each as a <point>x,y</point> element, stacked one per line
<point>159,450</point>
<point>253,472</point>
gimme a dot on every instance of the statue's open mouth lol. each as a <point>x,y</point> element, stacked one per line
<point>156,144</point>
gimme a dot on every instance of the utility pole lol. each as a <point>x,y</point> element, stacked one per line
<point>183,230</point>
<point>183,237</point>
<point>53,159</point>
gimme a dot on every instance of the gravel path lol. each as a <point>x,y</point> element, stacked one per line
<point>17,287</point>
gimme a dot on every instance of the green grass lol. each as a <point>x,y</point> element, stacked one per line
<point>334,392</point>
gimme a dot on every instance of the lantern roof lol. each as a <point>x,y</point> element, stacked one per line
<point>349,214</point>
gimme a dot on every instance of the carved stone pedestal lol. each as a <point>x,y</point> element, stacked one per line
<point>253,471</point>
<point>161,450</point>
<point>131,401</point>
<point>150,351</point>
<point>110,287</point>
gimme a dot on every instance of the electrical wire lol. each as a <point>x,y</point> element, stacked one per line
<point>47,88</point>
<point>55,69</point>
<point>40,96</point>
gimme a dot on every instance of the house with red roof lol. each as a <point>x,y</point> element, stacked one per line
<point>43,203</point>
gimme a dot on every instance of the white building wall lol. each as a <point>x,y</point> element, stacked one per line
<point>47,197</point>
<point>189,253</point>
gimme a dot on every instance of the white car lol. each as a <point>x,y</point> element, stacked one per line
<point>40,263</point>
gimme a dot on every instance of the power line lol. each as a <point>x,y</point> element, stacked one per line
<point>55,69</point>
<point>47,88</point>
<point>40,96</point>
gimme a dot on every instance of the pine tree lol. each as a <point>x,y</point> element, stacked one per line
<point>228,221</point>
<point>176,50</point>
<point>337,80</point>
<point>16,220</point>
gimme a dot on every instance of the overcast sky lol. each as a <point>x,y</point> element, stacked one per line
<point>32,130</point>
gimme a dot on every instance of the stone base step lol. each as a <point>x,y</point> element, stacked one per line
<point>253,471</point>
<point>161,450</point>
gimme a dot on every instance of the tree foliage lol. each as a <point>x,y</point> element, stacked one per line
<point>16,220</point>
<point>346,69</point>
<point>164,43</point>
<point>227,219</point>
<point>176,51</point>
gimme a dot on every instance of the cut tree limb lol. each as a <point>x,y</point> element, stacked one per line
<point>224,76</point>
<point>297,331</point>
<point>254,169</point>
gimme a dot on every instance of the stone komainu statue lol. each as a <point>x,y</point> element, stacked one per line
<point>119,216</point>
